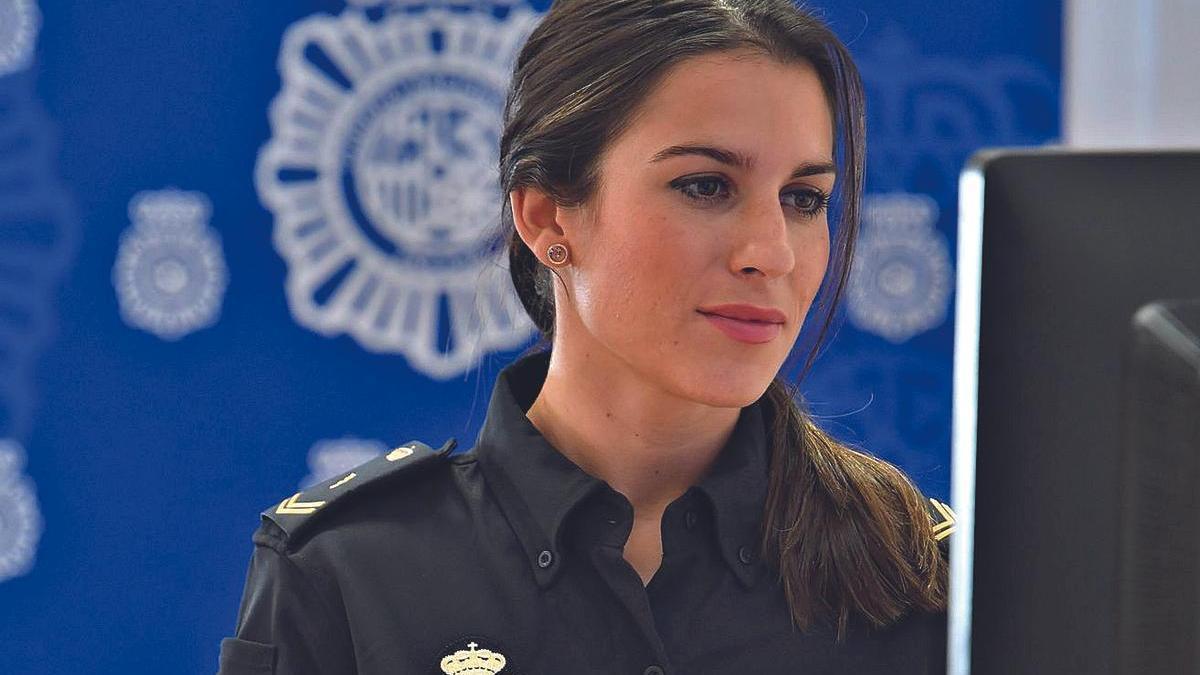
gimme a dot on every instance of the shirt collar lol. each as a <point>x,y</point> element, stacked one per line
<point>538,487</point>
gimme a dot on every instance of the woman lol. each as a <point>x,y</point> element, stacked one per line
<point>646,496</point>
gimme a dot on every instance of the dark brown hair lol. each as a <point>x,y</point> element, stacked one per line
<point>848,534</point>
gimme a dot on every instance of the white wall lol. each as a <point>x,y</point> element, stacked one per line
<point>1131,73</point>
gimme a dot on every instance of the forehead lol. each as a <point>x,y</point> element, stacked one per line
<point>776,112</point>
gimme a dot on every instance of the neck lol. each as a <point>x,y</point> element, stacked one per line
<point>646,443</point>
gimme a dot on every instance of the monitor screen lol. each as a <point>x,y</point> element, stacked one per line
<point>1057,250</point>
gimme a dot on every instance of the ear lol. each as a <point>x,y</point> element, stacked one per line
<point>536,218</point>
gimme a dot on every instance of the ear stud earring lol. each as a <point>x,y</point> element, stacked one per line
<point>558,254</point>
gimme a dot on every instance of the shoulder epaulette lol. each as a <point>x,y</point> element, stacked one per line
<point>943,520</point>
<point>293,514</point>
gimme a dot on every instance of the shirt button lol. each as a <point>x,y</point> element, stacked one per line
<point>653,670</point>
<point>689,520</point>
<point>545,559</point>
<point>745,555</point>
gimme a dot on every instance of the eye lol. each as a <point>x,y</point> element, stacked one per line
<point>704,189</point>
<point>808,202</point>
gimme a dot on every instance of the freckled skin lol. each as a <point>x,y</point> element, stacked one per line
<point>646,257</point>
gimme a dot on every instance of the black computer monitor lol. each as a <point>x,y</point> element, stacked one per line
<point>1158,569</point>
<point>1057,250</point>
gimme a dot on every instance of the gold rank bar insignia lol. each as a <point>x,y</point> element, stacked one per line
<point>946,527</point>
<point>293,507</point>
<point>326,495</point>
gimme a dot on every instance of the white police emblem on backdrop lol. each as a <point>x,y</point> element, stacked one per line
<point>19,24</point>
<point>20,519</point>
<point>381,174</point>
<point>333,457</point>
<point>901,280</point>
<point>170,274</point>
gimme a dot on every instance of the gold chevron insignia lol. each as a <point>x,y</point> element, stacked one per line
<point>292,507</point>
<point>399,453</point>
<point>946,527</point>
<point>343,481</point>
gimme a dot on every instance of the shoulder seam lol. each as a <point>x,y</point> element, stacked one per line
<point>270,540</point>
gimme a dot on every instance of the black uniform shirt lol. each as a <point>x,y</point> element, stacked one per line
<point>509,559</point>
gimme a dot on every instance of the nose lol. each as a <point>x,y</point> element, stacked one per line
<point>761,242</point>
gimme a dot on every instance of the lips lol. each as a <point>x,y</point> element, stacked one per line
<point>745,323</point>
<point>746,313</point>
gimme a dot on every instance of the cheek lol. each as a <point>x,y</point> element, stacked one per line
<point>817,244</point>
<point>632,281</point>
<point>812,262</point>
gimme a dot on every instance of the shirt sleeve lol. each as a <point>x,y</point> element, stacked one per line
<point>284,625</point>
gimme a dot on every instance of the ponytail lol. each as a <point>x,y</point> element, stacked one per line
<point>848,533</point>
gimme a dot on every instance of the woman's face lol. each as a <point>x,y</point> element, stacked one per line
<point>714,196</point>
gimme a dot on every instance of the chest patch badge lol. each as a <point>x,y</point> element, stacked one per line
<point>473,661</point>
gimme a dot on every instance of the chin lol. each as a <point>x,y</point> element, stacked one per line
<point>723,389</point>
<point>732,400</point>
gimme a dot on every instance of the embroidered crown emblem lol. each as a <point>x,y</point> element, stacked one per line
<point>473,662</point>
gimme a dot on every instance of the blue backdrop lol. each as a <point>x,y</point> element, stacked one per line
<point>239,251</point>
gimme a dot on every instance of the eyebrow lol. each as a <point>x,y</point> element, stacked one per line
<point>734,158</point>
